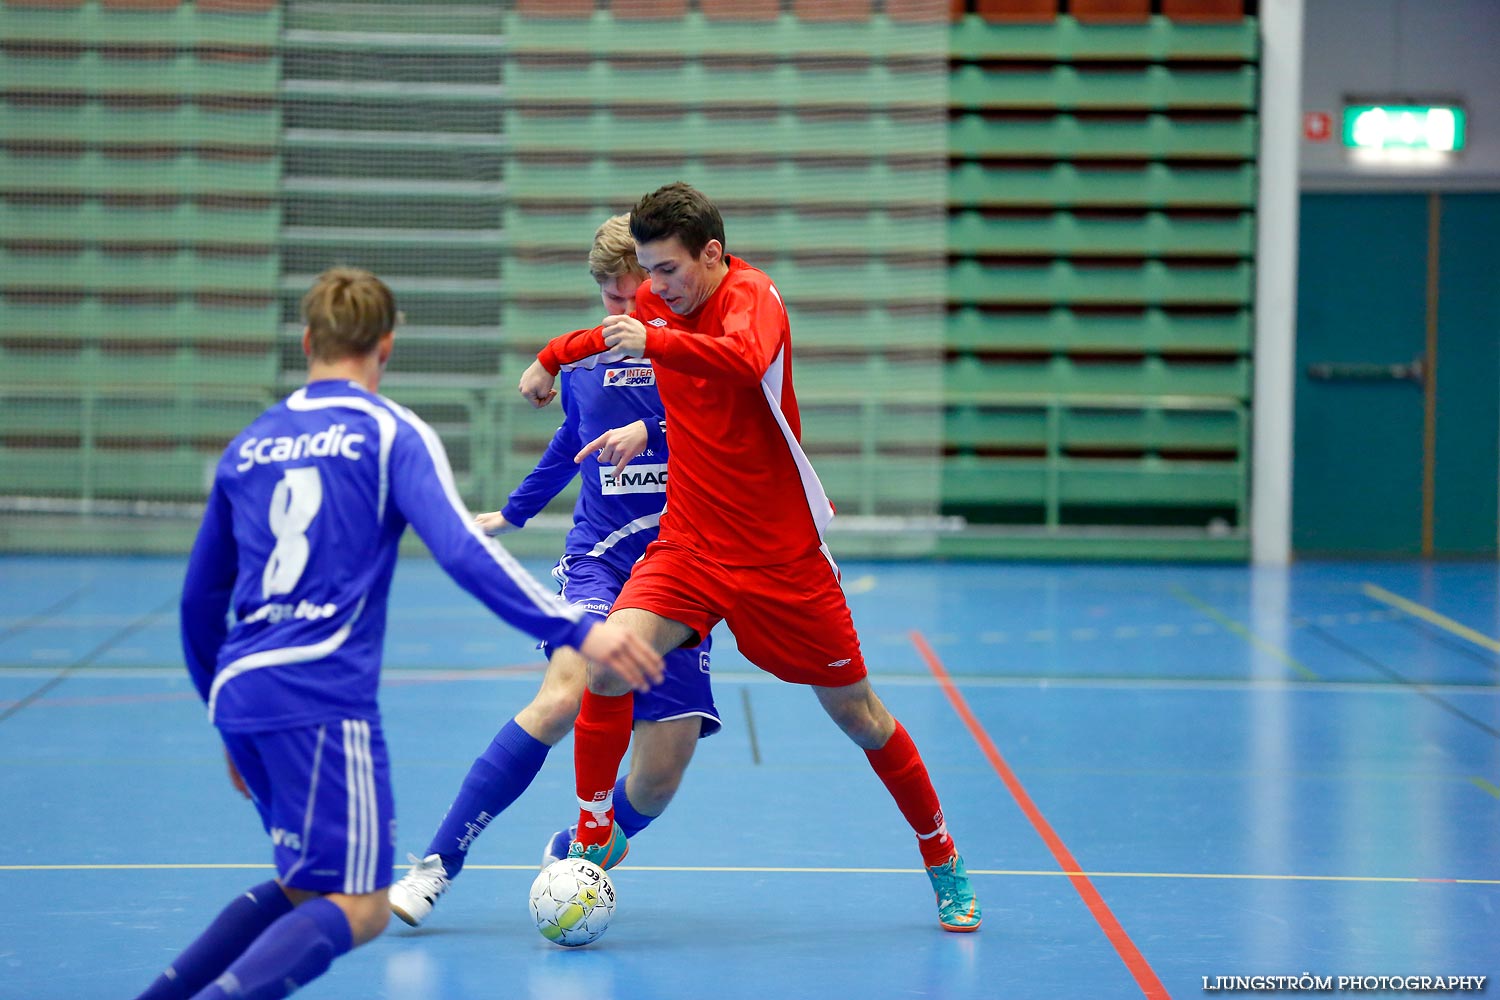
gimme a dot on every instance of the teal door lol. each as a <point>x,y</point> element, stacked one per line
<point>1467,458</point>
<point>1397,427</point>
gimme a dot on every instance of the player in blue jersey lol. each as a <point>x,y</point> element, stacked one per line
<point>283,619</point>
<point>612,413</point>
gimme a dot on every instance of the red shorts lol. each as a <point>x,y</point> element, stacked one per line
<point>790,620</point>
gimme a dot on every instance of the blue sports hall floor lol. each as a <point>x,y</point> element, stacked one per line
<point>1159,776</point>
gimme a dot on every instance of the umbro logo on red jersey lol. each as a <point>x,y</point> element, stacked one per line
<point>658,321</point>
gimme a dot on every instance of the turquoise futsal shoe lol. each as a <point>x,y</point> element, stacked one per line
<point>607,855</point>
<point>958,910</point>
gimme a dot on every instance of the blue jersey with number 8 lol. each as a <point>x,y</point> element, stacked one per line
<point>298,545</point>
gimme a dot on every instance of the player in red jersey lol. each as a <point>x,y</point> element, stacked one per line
<point>742,535</point>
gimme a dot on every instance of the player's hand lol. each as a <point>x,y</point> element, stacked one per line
<point>623,653</point>
<point>494,523</point>
<point>536,385</point>
<point>234,776</point>
<point>617,446</point>
<point>626,333</point>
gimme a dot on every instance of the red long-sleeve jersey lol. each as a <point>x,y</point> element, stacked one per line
<point>740,489</point>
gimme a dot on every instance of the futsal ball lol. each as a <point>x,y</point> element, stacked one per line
<point>572,901</point>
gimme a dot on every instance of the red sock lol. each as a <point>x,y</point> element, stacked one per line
<point>900,766</point>
<point>600,738</point>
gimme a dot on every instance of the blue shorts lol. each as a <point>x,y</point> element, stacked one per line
<point>593,584</point>
<point>324,795</point>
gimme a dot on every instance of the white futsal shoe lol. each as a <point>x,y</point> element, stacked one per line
<point>557,847</point>
<point>417,892</point>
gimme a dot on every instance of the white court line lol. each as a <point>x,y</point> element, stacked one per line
<point>791,870</point>
<point>529,673</point>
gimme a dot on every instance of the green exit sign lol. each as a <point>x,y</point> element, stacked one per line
<point>1417,127</point>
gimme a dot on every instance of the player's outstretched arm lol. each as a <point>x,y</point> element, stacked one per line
<point>623,653</point>
<point>742,351</point>
<point>423,490</point>
<point>553,472</point>
<point>579,349</point>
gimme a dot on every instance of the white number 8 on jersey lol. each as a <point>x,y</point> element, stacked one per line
<point>294,504</point>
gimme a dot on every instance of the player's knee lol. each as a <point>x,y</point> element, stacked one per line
<point>651,791</point>
<point>857,722</point>
<point>367,913</point>
<point>606,682</point>
<point>863,719</point>
<point>379,919</point>
<point>551,714</point>
<point>374,918</point>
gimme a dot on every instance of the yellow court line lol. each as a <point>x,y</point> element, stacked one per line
<point>1431,617</point>
<point>1486,786</point>
<point>1245,633</point>
<point>774,870</point>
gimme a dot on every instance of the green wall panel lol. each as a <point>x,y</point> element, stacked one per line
<point>138,246</point>
<point>1101,278</point>
<point>1018,258</point>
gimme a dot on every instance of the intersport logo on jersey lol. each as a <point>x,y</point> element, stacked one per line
<point>635,479</point>
<point>629,377</point>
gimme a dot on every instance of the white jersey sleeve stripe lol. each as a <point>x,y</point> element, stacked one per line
<point>812,487</point>
<point>544,599</point>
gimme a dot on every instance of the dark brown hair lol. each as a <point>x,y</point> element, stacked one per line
<point>679,210</point>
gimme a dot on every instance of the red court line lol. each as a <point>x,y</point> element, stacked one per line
<point>1145,978</point>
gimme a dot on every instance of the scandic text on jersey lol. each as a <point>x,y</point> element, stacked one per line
<point>333,442</point>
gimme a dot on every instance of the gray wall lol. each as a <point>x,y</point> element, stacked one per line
<point>1417,47</point>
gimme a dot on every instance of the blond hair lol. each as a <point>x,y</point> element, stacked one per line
<point>613,252</point>
<point>347,311</point>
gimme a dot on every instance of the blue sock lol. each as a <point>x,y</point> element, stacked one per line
<point>630,821</point>
<point>497,778</point>
<point>288,955</point>
<point>233,930</point>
